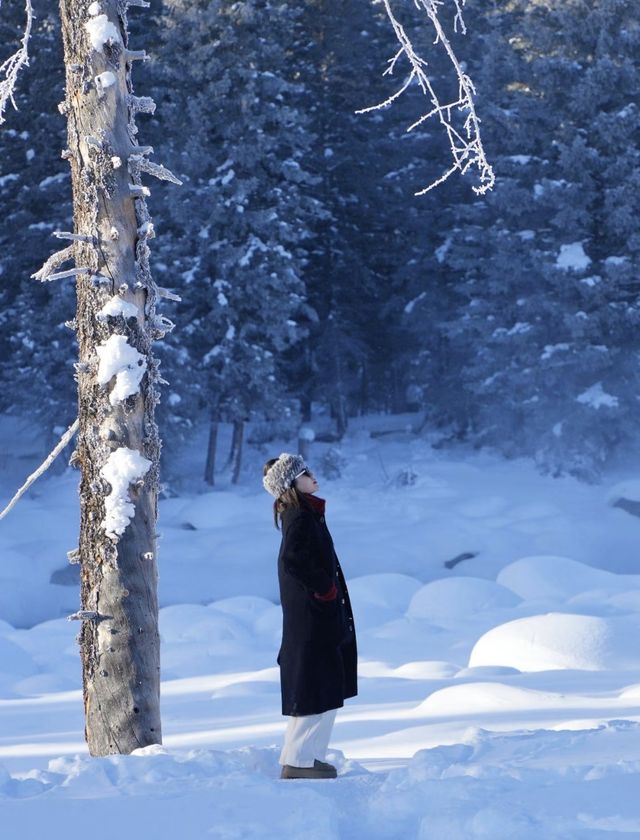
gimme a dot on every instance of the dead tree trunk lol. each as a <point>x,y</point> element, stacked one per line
<point>118,444</point>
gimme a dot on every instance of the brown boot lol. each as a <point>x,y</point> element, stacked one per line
<point>325,765</point>
<point>320,770</point>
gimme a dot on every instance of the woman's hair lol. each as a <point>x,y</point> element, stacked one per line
<point>290,498</point>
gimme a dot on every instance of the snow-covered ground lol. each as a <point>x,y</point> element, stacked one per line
<point>499,694</point>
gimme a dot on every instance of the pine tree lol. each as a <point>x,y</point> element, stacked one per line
<point>36,353</point>
<point>544,306</point>
<point>248,200</point>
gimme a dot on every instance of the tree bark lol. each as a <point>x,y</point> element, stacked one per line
<point>119,639</point>
<point>305,408</point>
<point>210,466</point>
<point>238,435</point>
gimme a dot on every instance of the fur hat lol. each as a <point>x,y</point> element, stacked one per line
<point>281,475</point>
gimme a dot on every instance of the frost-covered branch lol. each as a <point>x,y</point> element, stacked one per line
<point>466,147</point>
<point>60,275</point>
<point>87,615</point>
<point>76,237</point>
<point>46,272</point>
<point>168,295</point>
<point>64,440</point>
<point>141,164</point>
<point>11,67</point>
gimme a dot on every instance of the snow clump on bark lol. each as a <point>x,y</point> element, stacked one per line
<point>101,30</point>
<point>118,358</point>
<point>123,467</point>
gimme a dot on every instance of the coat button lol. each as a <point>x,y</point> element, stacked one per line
<point>342,602</point>
<point>350,628</point>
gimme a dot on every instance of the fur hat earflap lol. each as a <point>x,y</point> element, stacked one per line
<point>281,475</point>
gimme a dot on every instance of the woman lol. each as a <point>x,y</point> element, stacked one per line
<point>318,655</point>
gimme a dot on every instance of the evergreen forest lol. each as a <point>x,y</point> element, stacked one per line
<point>310,274</point>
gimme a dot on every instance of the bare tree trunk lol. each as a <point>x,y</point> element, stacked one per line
<point>210,466</point>
<point>304,447</point>
<point>342,418</point>
<point>232,449</point>
<point>305,408</point>
<point>238,435</point>
<point>364,389</point>
<point>118,444</point>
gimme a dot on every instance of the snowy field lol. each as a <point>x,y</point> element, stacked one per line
<point>498,619</point>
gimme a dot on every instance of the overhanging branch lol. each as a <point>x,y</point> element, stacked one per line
<point>465,144</point>
<point>12,66</point>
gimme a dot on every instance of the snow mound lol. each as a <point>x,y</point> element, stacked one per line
<point>629,490</point>
<point>479,507</point>
<point>558,578</point>
<point>451,599</point>
<point>195,623</point>
<point>379,598</point>
<point>269,626</point>
<point>425,669</point>
<point>212,510</point>
<point>478,697</point>
<point>393,591</point>
<point>26,602</point>
<point>246,608</point>
<point>15,662</point>
<point>560,641</point>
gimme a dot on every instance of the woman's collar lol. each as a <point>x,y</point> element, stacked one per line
<point>316,502</point>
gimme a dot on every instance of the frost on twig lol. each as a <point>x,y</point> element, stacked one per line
<point>71,272</point>
<point>11,67</point>
<point>54,261</point>
<point>64,440</point>
<point>465,143</point>
<point>155,169</point>
<point>77,237</point>
<point>87,615</point>
<point>168,295</point>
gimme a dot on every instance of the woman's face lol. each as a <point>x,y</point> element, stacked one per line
<point>306,483</point>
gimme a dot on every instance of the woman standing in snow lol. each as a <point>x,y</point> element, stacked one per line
<point>318,655</point>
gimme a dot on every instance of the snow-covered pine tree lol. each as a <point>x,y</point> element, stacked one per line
<point>118,444</point>
<point>36,353</point>
<point>539,344</point>
<point>239,235</point>
<point>340,48</point>
<point>367,259</point>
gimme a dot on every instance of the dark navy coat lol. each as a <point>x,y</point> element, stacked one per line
<point>318,655</point>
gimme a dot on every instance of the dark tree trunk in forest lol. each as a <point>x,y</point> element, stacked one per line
<point>118,444</point>
<point>210,466</point>
<point>340,400</point>
<point>238,436</point>
<point>304,447</point>
<point>364,390</point>
<point>342,420</point>
<point>305,408</point>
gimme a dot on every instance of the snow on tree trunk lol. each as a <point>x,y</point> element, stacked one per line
<point>118,445</point>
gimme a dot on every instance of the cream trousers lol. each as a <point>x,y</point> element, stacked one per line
<point>307,738</point>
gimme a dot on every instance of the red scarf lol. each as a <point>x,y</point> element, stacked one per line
<point>316,503</point>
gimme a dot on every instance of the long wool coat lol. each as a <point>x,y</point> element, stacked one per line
<point>318,655</point>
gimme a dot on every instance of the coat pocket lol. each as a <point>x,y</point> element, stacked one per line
<point>326,620</point>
